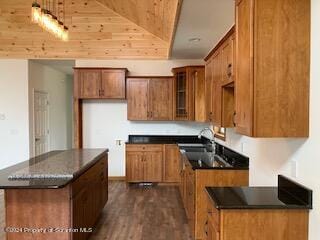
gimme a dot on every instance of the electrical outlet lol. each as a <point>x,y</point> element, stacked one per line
<point>118,142</point>
<point>294,168</point>
<point>244,147</point>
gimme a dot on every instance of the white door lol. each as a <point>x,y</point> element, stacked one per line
<point>41,122</point>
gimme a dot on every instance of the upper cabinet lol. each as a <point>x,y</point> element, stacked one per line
<point>272,72</point>
<point>113,84</point>
<point>186,79</point>
<point>99,83</point>
<point>150,98</point>
<point>219,82</point>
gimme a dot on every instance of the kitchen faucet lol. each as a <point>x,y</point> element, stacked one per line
<point>212,140</point>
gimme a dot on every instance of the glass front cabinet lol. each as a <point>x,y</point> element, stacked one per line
<point>185,79</point>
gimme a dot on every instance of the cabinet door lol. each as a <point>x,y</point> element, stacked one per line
<point>172,164</point>
<point>180,96</point>
<point>160,98</point>
<point>89,83</point>
<point>190,199</point>
<point>216,89</point>
<point>198,77</point>
<point>137,95</point>
<point>79,218</point>
<point>227,65</point>
<point>135,166</point>
<point>212,233</point>
<point>208,90</point>
<point>184,94</point>
<point>153,166</point>
<point>244,70</point>
<point>113,84</point>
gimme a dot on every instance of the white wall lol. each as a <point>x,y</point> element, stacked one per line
<point>270,157</point>
<point>14,132</point>
<point>59,87</point>
<point>104,122</point>
<point>141,67</point>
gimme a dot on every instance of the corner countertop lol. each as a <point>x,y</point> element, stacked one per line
<point>288,195</point>
<point>54,169</point>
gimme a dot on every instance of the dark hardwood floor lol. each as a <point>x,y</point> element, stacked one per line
<point>138,213</point>
<point>142,213</point>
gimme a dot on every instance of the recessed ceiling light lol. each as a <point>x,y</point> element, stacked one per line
<point>194,40</point>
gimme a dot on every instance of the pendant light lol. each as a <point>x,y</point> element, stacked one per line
<point>48,18</point>
<point>35,12</point>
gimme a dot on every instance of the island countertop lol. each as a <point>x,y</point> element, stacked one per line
<point>54,169</point>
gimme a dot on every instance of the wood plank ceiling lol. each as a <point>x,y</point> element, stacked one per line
<point>99,29</point>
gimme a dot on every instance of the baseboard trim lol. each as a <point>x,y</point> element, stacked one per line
<point>117,178</point>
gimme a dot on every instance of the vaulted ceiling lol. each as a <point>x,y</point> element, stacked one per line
<point>99,29</point>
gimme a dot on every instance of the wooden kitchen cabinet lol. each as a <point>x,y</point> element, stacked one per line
<point>273,68</point>
<point>134,166</point>
<point>217,88</point>
<point>192,190</point>
<point>137,95</point>
<point>171,163</point>
<point>88,83</point>
<point>208,90</point>
<point>262,224</point>
<point>144,163</point>
<point>184,102</point>
<point>153,166</point>
<point>99,83</point>
<point>153,163</point>
<point>220,64</point>
<point>160,98</point>
<point>113,84</point>
<point>150,98</point>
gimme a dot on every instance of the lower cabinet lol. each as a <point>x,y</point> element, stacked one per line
<point>89,196</point>
<point>261,224</point>
<point>144,163</point>
<point>192,189</point>
<point>171,173</point>
<point>152,163</point>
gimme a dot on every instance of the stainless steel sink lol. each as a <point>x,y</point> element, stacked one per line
<point>194,149</point>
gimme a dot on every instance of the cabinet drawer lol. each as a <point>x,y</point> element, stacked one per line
<point>144,148</point>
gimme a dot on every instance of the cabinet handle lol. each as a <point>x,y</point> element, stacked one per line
<point>148,115</point>
<point>99,93</point>
<point>206,228</point>
<point>151,114</point>
<point>229,70</point>
<point>234,119</point>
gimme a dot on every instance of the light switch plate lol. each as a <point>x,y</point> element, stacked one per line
<point>2,117</point>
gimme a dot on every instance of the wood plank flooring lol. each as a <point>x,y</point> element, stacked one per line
<point>138,213</point>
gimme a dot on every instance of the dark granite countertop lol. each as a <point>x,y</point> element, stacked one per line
<point>164,139</point>
<point>288,195</point>
<point>199,160</point>
<point>54,169</point>
<point>223,159</point>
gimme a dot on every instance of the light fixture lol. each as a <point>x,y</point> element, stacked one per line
<point>194,40</point>
<point>46,18</point>
<point>35,13</point>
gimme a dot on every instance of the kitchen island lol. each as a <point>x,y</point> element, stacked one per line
<point>58,195</point>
